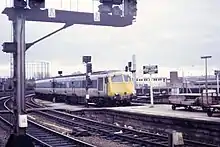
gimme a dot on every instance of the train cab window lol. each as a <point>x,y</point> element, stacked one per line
<point>117,78</point>
<point>106,80</point>
<point>127,78</point>
<point>100,84</point>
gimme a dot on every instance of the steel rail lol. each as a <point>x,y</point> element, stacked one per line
<point>44,136</point>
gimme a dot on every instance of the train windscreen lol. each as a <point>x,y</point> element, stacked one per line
<point>127,78</point>
<point>117,78</point>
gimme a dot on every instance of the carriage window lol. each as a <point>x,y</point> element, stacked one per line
<point>83,84</point>
<point>76,84</point>
<point>128,78</point>
<point>94,83</point>
<point>117,78</point>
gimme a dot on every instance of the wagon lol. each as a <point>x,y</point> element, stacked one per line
<point>186,101</point>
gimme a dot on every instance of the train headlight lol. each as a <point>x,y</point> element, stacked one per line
<point>134,92</point>
<point>116,94</point>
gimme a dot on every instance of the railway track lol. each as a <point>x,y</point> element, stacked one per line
<point>126,135</point>
<point>43,136</point>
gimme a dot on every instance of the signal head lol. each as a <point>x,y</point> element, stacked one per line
<point>112,2</point>
<point>37,4</point>
<point>20,3</point>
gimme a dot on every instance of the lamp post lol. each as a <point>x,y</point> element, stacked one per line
<point>206,70</point>
<point>217,73</point>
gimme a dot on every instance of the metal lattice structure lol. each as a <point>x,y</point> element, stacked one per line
<point>37,70</point>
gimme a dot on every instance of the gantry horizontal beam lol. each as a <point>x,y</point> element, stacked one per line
<point>69,17</point>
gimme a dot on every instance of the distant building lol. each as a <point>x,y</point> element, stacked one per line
<point>156,82</point>
<point>161,82</point>
<point>200,81</point>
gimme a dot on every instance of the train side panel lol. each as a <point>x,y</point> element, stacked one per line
<point>105,87</point>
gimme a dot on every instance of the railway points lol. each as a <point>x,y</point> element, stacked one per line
<point>41,135</point>
<point>104,129</point>
<point>96,109</point>
<point>158,119</point>
<point>120,119</point>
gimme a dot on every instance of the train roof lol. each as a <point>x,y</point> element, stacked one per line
<point>83,74</point>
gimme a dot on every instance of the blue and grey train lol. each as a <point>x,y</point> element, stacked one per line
<point>107,88</point>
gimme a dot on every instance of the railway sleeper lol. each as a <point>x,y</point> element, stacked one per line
<point>140,141</point>
<point>58,141</point>
<point>59,144</point>
<point>79,132</point>
<point>50,139</point>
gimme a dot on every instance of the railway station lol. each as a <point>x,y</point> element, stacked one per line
<point>109,73</point>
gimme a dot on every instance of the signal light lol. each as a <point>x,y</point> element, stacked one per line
<point>89,68</point>
<point>129,64</point>
<point>112,2</point>
<point>20,3</point>
<point>86,59</point>
<point>105,9</point>
<point>126,68</point>
<point>130,7</point>
<point>60,72</point>
<point>116,11</point>
<point>37,3</point>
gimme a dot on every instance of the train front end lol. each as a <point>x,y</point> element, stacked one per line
<point>121,88</point>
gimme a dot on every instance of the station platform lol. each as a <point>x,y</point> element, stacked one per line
<point>158,110</point>
<point>59,106</point>
<point>166,110</point>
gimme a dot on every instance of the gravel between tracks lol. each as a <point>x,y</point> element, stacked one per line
<point>95,140</point>
<point>100,142</point>
<point>4,135</point>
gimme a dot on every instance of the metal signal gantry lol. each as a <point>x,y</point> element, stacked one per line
<point>29,10</point>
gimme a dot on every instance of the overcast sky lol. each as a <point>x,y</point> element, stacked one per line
<point>170,33</point>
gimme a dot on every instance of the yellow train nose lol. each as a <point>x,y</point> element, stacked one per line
<point>120,89</point>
